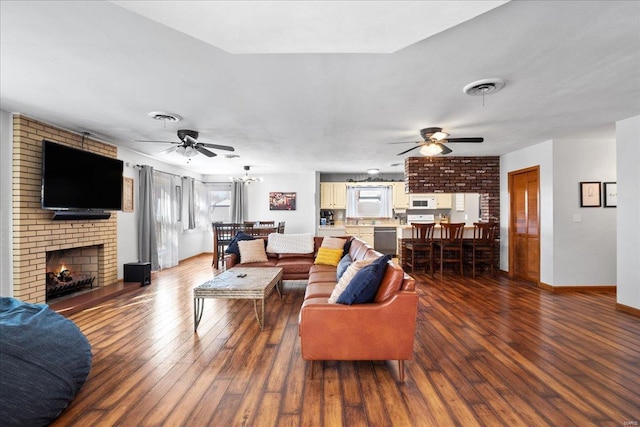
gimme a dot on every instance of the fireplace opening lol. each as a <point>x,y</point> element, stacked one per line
<point>71,271</point>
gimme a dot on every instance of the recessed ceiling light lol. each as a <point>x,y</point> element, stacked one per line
<point>395,164</point>
<point>161,115</point>
<point>373,171</point>
<point>231,156</point>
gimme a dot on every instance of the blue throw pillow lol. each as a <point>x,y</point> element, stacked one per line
<point>233,247</point>
<point>344,263</point>
<point>363,287</point>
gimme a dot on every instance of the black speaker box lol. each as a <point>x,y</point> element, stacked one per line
<point>138,272</point>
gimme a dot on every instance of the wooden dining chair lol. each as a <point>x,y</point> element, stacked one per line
<point>280,227</point>
<point>450,245</point>
<point>483,246</point>
<point>223,234</point>
<point>420,247</point>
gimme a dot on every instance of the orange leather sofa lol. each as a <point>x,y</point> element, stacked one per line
<point>381,330</point>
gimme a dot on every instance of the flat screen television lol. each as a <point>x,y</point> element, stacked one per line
<point>74,179</point>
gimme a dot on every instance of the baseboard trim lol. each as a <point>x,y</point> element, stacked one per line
<point>629,310</point>
<point>563,289</point>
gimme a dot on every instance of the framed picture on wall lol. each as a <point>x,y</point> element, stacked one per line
<point>610,194</point>
<point>127,194</point>
<point>280,201</point>
<point>590,194</point>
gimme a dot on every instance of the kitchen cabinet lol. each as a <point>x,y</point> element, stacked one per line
<point>364,233</point>
<point>400,198</point>
<point>333,195</point>
<point>444,200</point>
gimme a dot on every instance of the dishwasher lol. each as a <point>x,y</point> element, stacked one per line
<point>384,240</point>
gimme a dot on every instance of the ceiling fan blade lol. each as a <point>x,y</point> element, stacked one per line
<point>410,149</point>
<point>203,150</point>
<point>406,142</point>
<point>445,149</point>
<point>463,139</point>
<point>169,150</point>
<point>164,142</point>
<point>217,146</point>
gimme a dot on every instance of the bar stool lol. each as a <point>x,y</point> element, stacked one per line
<point>450,245</point>
<point>420,247</point>
<point>483,246</point>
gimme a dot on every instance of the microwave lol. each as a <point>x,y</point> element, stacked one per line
<point>422,201</point>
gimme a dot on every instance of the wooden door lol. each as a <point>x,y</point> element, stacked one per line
<point>524,224</point>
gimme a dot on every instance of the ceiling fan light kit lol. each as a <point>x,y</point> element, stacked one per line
<point>434,142</point>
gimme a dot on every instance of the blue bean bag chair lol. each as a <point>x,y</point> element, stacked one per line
<point>44,360</point>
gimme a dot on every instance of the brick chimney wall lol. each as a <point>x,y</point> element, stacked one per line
<point>34,231</point>
<point>457,175</point>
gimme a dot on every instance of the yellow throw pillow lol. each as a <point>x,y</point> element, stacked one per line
<point>252,251</point>
<point>327,256</point>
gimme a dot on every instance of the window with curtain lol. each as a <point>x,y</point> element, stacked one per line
<point>217,207</point>
<point>167,224</point>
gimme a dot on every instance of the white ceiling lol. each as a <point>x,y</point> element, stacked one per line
<point>572,69</point>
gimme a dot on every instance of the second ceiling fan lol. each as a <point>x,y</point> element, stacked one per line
<point>189,145</point>
<point>434,142</point>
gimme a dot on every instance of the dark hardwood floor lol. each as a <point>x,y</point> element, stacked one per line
<point>488,352</point>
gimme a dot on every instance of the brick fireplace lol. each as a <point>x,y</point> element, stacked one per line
<point>34,232</point>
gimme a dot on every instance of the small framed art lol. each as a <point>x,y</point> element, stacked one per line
<point>127,194</point>
<point>280,201</point>
<point>610,194</point>
<point>590,194</point>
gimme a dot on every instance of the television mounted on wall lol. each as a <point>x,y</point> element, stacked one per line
<point>80,181</point>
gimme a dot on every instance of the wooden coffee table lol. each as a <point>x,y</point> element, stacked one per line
<point>254,283</point>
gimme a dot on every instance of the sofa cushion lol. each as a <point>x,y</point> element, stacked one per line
<point>333,243</point>
<point>323,277</point>
<point>290,243</point>
<point>344,281</point>
<point>363,287</point>
<point>252,251</point>
<point>233,246</point>
<point>344,263</point>
<point>297,266</point>
<point>328,256</point>
<point>318,290</point>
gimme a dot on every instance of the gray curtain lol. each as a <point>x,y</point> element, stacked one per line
<point>237,202</point>
<point>147,243</point>
<point>188,200</point>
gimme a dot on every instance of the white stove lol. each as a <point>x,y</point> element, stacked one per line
<point>421,218</point>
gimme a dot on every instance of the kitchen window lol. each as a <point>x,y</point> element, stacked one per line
<point>369,202</point>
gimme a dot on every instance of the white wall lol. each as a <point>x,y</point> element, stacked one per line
<point>303,219</point>
<point>6,229</point>
<point>628,211</point>
<point>571,253</point>
<point>536,155</point>
<point>585,251</point>
<point>190,243</point>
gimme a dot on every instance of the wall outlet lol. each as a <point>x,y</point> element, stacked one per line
<point>577,218</point>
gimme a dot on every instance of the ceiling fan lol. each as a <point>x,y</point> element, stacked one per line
<point>189,145</point>
<point>434,140</point>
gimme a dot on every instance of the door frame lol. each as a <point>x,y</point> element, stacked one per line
<point>511,227</point>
